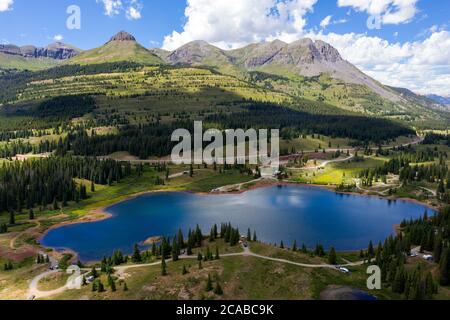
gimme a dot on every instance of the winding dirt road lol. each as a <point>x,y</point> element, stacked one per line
<point>35,293</point>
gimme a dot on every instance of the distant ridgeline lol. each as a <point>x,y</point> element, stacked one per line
<point>294,116</point>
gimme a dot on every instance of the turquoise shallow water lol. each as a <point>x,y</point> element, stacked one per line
<point>306,214</point>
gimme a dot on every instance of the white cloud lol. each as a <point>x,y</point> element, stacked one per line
<point>133,14</point>
<point>132,8</point>
<point>112,7</point>
<point>58,37</point>
<point>231,24</point>
<point>422,66</point>
<point>390,11</point>
<point>6,5</point>
<point>326,22</point>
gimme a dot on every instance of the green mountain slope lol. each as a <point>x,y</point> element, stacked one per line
<point>8,61</point>
<point>307,69</point>
<point>121,47</point>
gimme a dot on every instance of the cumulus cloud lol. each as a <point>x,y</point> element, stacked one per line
<point>133,13</point>
<point>58,37</point>
<point>6,5</point>
<point>112,7</point>
<point>328,21</point>
<point>390,11</point>
<point>231,24</point>
<point>132,8</point>
<point>422,66</point>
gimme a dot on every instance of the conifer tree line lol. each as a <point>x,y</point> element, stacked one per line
<point>38,183</point>
<point>173,247</point>
<point>402,166</point>
<point>142,141</point>
<point>294,122</point>
<point>432,234</point>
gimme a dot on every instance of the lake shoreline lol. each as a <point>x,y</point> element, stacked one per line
<point>100,214</point>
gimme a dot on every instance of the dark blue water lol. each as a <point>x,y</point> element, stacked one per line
<point>306,214</point>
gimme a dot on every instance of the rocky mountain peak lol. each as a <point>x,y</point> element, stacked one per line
<point>327,51</point>
<point>123,36</point>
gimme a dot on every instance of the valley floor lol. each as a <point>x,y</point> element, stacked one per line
<point>266,272</point>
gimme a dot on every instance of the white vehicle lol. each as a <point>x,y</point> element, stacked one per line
<point>428,257</point>
<point>344,270</point>
<point>414,254</point>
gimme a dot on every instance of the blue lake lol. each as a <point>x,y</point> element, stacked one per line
<point>306,214</point>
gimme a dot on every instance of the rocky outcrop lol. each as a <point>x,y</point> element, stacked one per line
<point>123,36</point>
<point>57,51</point>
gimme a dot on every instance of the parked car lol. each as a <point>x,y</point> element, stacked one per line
<point>344,270</point>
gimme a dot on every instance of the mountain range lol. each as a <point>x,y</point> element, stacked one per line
<point>304,57</point>
<point>443,100</point>
<point>309,69</point>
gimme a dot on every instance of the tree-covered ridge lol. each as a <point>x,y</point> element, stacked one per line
<point>65,107</point>
<point>38,183</point>
<point>292,123</point>
<point>142,141</point>
<point>13,82</point>
<point>155,139</point>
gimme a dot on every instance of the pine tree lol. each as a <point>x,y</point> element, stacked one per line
<point>94,273</point>
<point>175,251</point>
<point>370,250</point>
<point>100,287</point>
<point>437,251</point>
<point>12,218</point>
<point>249,235</point>
<point>55,204</point>
<point>282,245</point>
<point>209,285</point>
<point>217,257</point>
<point>218,289</point>
<point>136,258</point>
<point>31,214</point>
<point>398,286</point>
<point>163,267</point>
<point>294,246</point>
<point>304,249</point>
<point>254,236</point>
<point>332,259</point>
<point>444,268</point>
<point>184,270</point>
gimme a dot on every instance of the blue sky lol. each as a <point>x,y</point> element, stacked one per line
<point>410,47</point>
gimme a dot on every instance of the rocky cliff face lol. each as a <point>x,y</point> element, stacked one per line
<point>123,36</point>
<point>57,51</point>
